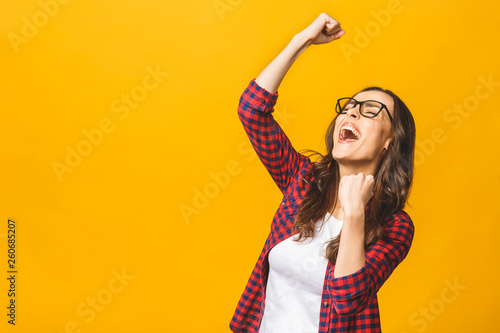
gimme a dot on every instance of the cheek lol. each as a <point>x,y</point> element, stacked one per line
<point>335,132</point>
<point>376,136</point>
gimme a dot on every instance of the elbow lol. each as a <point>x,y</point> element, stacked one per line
<point>352,293</point>
<point>352,306</point>
<point>243,112</point>
<point>244,105</point>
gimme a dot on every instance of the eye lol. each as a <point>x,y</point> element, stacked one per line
<point>349,105</point>
<point>371,108</point>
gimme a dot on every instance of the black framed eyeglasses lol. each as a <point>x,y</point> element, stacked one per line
<point>369,109</point>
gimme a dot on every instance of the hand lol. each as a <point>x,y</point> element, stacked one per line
<point>355,191</point>
<point>323,30</point>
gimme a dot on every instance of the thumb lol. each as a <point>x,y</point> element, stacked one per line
<point>336,35</point>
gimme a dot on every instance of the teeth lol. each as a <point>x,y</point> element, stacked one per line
<point>350,128</point>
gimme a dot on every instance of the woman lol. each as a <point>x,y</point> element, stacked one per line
<point>340,230</point>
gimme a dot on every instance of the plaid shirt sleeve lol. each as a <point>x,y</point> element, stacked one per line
<point>266,136</point>
<point>351,293</point>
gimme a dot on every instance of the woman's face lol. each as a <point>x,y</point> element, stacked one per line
<point>375,133</point>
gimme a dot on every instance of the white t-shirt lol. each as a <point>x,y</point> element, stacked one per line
<point>295,282</point>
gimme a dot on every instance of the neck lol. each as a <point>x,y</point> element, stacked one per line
<point>351,169</point>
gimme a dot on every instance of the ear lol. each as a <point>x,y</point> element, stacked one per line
<point>387,144</point>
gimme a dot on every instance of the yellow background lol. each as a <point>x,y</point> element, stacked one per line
<point>119,209</point>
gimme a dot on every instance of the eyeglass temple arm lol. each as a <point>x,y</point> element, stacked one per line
<point>390,117</point>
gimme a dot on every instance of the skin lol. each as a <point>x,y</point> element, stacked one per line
<point>357,165</point>
<point>357,160</point>
<point>362,156</point>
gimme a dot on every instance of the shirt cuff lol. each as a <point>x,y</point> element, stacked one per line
<point>259,98</point>
<point>350,286</point>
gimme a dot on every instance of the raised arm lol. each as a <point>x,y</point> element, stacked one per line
<point>257,103</point>
<point>323,29</point>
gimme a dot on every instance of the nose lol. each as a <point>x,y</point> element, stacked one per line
<point>354,112</point>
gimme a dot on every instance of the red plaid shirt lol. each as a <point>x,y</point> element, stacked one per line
<point>348,303</point>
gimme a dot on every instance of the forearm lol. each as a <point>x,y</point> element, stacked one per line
<point>351,254</point>
<point>270,78</point>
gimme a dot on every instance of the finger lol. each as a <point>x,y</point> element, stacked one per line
<point>331,29</point>
<point>332,26</point>
<point>339,34</point>
<point>336,28</point>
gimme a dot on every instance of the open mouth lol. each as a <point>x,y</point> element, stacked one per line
<point>348,134</point>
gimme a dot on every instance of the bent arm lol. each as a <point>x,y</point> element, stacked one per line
<point>257,101</point>
<point>351,293</point>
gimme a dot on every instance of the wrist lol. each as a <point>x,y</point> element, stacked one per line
<point>302,40</point>
<point>354,213</point>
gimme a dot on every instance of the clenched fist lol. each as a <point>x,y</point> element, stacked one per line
<point>355,191</point>
<point>323,30</point>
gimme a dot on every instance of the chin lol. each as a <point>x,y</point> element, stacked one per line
<point>347,157</point>
<point>341,157</point>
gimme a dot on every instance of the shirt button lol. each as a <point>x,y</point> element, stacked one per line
<point>282,203</point>
<point>325,304</point>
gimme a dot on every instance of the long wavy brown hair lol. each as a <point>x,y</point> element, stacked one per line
<point>393,180</point>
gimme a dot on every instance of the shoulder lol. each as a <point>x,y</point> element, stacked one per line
<point>399,226</point>
<point>304,176</point>
<point>401,216</point>
<point>300,183</point>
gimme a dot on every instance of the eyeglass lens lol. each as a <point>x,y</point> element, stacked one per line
<point>370,108</point>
